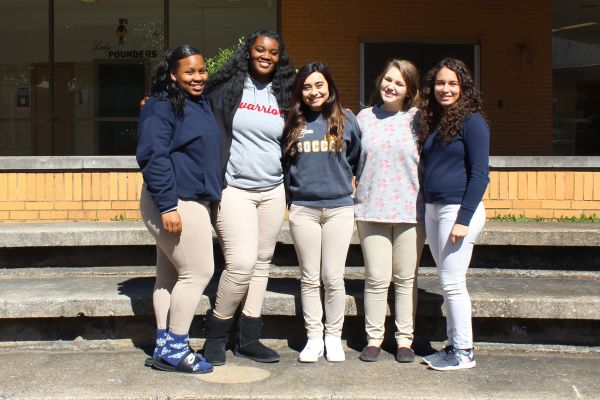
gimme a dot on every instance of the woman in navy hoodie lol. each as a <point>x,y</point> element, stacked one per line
<point>455,140</point>
<point>179,155</point>
<point>321,146</point>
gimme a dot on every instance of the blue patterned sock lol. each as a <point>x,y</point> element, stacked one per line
<point>177,347</point>
<point>161,335</point>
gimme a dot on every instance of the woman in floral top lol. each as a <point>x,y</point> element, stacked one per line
<point>388,206</point>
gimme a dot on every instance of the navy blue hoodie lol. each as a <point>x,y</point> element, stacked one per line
<point>180,157</point>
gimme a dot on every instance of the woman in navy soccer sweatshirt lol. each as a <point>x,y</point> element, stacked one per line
<point>179,155</point>
<point>321,146</point>
<point>455,150</point>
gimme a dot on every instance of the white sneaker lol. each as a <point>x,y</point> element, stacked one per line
<point>334,350</point>
<point>312,351</point>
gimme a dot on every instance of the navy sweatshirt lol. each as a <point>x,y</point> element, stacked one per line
<point>319,176</point>
<point>180,157</point>
<point>457,172</point>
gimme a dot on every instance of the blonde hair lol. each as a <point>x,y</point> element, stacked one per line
<point>411,76</point>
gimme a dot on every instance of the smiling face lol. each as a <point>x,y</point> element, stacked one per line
<point>263,58</point>
<point>315,91</point>
<point>191,74</point>
<point>393,90</point>
<point>447,87</point>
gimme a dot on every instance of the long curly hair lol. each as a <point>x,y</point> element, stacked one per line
<point>234,73</point>
<point>162,83</point>
<point>409,73</point>
<point>448,122</point>
<point>296,120</point>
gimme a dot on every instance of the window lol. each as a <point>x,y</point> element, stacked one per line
<point>71,77</point>
<point>576,77</point>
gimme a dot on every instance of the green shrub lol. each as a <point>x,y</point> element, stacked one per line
<point>214,63</point>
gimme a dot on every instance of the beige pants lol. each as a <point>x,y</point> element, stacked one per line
<point>391,252</point>
<point>321,237</point>
<point>248,224</point>
<point>184,263</point>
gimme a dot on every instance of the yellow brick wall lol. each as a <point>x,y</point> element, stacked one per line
<point>69,196</point>
<point>105,196</point>
<point>546,194</point>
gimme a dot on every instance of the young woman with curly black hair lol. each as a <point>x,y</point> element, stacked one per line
<point>179,155</point>
<point>455,139</point>
<point>321,149</point>
<point>249,97</point>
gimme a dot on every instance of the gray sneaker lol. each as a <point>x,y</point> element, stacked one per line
<point>437,356</point>
<point>455,359</point>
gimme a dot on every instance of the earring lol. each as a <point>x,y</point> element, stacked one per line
<point>247,56</point>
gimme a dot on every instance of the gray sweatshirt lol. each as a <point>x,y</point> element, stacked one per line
<point>255,160</point>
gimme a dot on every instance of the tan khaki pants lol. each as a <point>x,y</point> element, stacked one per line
<point>248,224</point>
<point>184,263</point>
<point>321,237</point>
<point>391,253</point>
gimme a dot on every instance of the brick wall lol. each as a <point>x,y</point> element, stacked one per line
<point>69,196</point>
<point>546,194</point>
<point>102,196</point>
<point>516,52</point>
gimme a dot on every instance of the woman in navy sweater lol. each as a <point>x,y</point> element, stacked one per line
<point>321,145</point>
<point>179,155</point>
<point>455,150</point>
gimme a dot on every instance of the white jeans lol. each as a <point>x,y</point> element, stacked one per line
<point>452,261</point>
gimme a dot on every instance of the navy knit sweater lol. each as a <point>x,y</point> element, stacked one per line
<point>457,172</point>
<point>180,157</point>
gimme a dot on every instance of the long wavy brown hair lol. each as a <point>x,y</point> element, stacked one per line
<point>448,122</point>
<point>296,119</point>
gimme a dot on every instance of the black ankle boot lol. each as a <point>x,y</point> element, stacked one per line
<point>248,344</point>
<point>217,336</point>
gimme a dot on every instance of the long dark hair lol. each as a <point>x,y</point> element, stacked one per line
<point>234,73</point>
<point>163,83</point>
<point>448,122</point>
<point>296,120</point>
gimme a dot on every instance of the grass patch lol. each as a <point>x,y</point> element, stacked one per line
<point>521,218</point>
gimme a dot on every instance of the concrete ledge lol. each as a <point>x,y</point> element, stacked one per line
<point>544,162</point>
<point>135,233</point>
<point>108,296</point>
<point>129,163</point>
<point>62,163</point>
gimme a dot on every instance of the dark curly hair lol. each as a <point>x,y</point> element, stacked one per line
<point>234,73</point>
<point>448,122</point>
<point>332,111</point>
<point>162,83</point>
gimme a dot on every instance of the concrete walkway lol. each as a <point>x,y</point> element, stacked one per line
<point>98,374</point>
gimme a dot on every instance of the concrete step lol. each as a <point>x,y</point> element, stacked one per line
<point>292,272</point>
<point>570,296</point>
<point>88,373</point>
<point>131,233</point>
<point>528,246</point>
